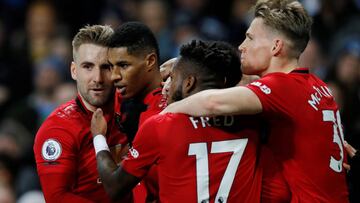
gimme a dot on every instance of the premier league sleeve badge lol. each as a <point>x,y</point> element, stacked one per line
<point>51,150</point>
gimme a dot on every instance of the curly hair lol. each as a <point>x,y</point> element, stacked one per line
<point>216,63</point>
<point>289,18</point>
<point>136,37</point>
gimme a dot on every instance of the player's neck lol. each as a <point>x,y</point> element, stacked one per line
<point>154,83</point>
<point>282,65</point>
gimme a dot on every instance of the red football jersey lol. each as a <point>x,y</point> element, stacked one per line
<point>153,100</point>
<point>65,155</point>
<point>197,162</point>
<point>306,134</point>
<point>148,188</point>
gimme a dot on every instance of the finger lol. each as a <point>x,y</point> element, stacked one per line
<point>166,68</point>
<point>349,149</point>
<point>346,166</point>
<point>165,74</point>
<point>98,112</point>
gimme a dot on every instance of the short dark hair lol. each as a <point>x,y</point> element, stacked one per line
<point>136,37</point>
<point>289,18</point>
<point>216,63</point>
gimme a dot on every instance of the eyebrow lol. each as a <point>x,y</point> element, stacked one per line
<point>87,63</point>
<point>121,62</point>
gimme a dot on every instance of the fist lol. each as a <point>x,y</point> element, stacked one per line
<point>98,123</point>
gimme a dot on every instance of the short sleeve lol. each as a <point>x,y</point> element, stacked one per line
<point>55,149</point>
<point>144,151</point>
<point>273,93</point>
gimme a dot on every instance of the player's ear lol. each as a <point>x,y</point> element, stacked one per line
<point>151,61</point>
<point>73,70</point>
<point>277,47</point>
<point>189,84</point>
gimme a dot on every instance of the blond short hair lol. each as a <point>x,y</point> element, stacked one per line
<point>94,34</point>
<point>289,18</point>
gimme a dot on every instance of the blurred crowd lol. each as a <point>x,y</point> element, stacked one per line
<point>35,57</point>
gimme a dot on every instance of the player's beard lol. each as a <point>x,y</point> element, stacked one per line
<point>97,101</point>
<point>178,95</point>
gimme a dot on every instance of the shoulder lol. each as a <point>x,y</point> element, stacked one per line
<point>274,78</point>
<point>163,122</point>
<point>64,121</point>
<point>274,82</point>
<point>167,118</point>
<point>66,114</point>
<point>317,79</point>
<point>67,111</point>
<point>154,99</point>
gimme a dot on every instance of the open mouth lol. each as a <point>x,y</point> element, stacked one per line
<point>98,90</point>
<point>120,89</point>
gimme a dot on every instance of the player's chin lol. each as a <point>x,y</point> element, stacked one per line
<point>128,94</point>
<point>99,102</point>
<point>247,70</point>
<point>99,99</point>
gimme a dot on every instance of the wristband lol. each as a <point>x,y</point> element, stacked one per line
<point>100,144</point>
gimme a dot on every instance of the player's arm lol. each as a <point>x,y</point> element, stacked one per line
<point>56,188</point>
<point>230,101</point>
<point>117,182</point>
<point>56,168</point>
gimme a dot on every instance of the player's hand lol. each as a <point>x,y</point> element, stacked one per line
<point>166,68</point>
<point>171,108</point>
<point>164,92</point>
<point>351,151</point>
<point>98,123</point>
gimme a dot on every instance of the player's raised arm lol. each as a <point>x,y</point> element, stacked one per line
<point>230,101</point>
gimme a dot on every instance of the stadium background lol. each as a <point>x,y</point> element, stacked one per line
<point>35,56</point>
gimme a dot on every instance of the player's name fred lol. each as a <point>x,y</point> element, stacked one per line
<point>202,122</point>
<point>318,94</point>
